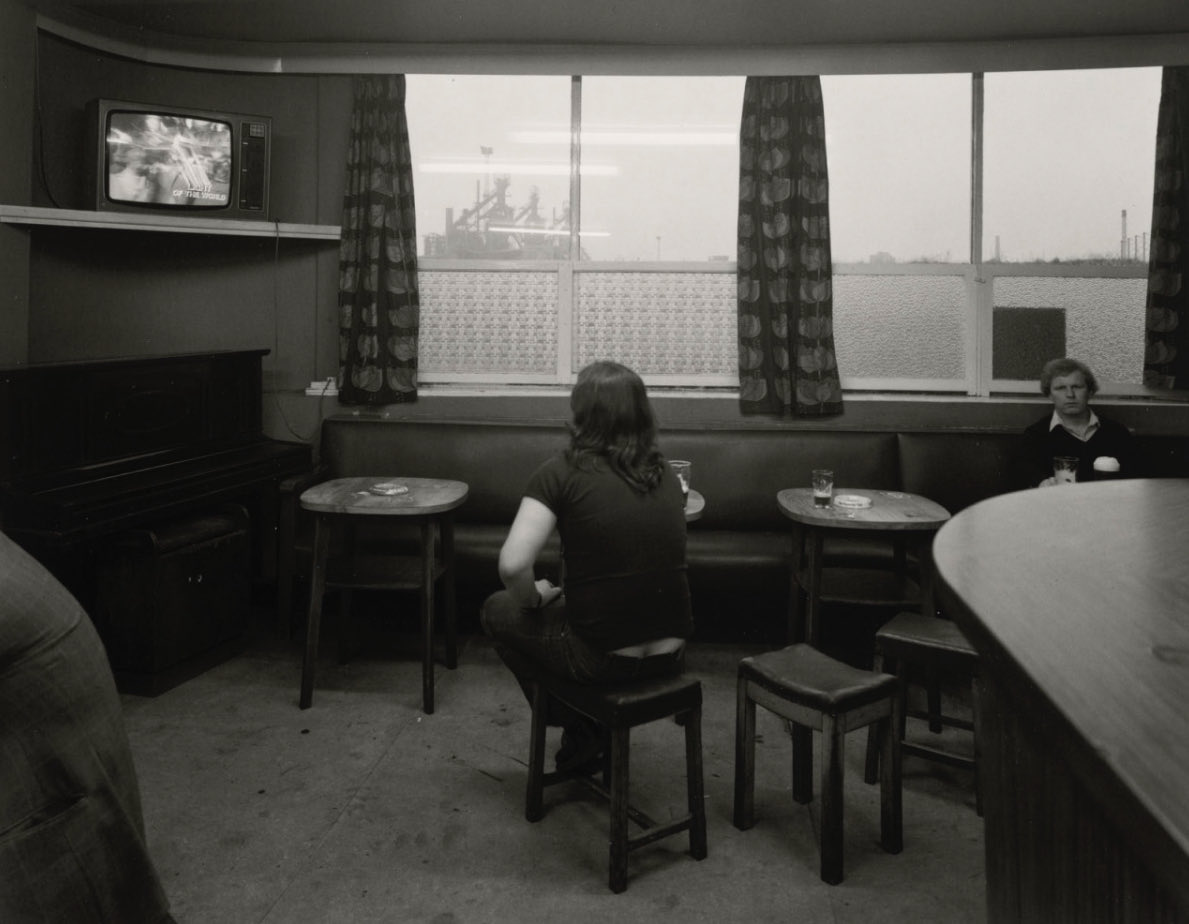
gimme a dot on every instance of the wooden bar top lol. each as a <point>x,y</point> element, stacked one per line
<point>1077,599</point>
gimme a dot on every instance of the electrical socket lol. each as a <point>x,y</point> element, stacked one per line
<point>319,388</point>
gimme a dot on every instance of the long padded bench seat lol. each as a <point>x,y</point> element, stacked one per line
<point>739,551</point>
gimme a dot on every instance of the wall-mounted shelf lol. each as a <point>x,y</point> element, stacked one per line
<point>175,224</point>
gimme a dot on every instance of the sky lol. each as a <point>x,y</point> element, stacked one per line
<point>1066,152</point>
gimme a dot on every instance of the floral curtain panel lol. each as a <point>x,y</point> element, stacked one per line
<point>1166,354</point>
<point>785,301</point>
<point>379,309</point>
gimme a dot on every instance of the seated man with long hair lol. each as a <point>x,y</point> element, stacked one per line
<point>619,511</point>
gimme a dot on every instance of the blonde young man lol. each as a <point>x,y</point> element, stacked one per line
<point>1074,429</point>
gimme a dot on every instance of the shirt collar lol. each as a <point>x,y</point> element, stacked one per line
<point>1055,421</point>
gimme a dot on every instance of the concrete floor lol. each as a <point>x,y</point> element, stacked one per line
<point>362,809</point>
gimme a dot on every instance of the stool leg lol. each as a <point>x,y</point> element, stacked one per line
<point>891,818</point>
<point>977,721</point>
<point>833,745</point>
<point>533,797</point>
<point>745,758</point>
<point>802,763</point>
<point>875,732</point>
<point>933,692</point>
<point>693,783</point>
<point>620,743</point>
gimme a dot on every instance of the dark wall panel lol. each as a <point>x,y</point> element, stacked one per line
<point>104,294</point>
<point>309,114</point>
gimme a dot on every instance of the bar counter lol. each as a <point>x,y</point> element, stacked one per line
<point>1077,599</point>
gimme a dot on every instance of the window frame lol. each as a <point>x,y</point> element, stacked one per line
<point>978,280</point>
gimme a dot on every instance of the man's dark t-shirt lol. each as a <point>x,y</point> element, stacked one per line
<point>624,553</point>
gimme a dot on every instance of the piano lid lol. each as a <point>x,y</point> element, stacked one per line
<point>90,448</point>
<point>67,417</point>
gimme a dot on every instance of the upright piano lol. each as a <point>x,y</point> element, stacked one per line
<point>97,456</point>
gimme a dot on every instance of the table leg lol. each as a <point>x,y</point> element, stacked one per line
<point>427,605</point>
<point>796,629</point>
<point>814,590</point>
<point>286,566</point>
<point>448,601</point>
<point>314,615</point>
<point>928,585</point>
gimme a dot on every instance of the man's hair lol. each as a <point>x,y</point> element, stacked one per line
<point>1056,368</point>
<point>613,421</point>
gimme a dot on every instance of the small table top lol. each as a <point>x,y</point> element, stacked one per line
<point>695,503</point>
<point>361,496</point>
<point>892,510</point>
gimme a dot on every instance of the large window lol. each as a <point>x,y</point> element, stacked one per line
<point>899,158</point>
<point>568,219</point>
<point>673,146</point>
<point>491,166</point>
<point>1069,163</point>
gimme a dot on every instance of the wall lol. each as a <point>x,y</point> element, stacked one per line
<point>16,141</point>
<point>72,295</point>
<point>103,294</point>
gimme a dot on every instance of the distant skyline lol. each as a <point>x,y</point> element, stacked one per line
<point>1065,153</point>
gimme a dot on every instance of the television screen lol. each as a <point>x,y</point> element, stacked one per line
<point>169,161</point>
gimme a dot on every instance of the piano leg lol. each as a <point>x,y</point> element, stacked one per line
<point>314,618</point>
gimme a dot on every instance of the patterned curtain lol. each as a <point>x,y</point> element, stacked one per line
<point>786,301</point>
<point>1166,354</point>
<point>379,309</point>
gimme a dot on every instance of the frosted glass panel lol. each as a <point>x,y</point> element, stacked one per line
<point>658,323</point>
<point>488,322</point>
<point>900,326</point>
<point>1104,319</point>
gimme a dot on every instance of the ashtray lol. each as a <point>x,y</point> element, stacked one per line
<point>389,489</point>
<point>852,501</point>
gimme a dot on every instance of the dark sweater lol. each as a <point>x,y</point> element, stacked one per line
<point>1040,445</point>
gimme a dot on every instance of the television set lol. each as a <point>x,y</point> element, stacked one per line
<point>153,158</point>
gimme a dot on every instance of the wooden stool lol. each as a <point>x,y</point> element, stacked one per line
<point>932,645</point>
<point>619,709</point>
<point>813,691</point>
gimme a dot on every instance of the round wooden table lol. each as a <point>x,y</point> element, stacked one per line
<point>430,502</point>
<point>1077,600</point>
<point>894,515</point>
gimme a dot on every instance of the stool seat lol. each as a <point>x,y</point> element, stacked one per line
<point>814,691</point>
<point>802,674</point>
<point>618,708</point>
<point>930,645</point>
<point>625,704</point>
<point>927,637</point>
